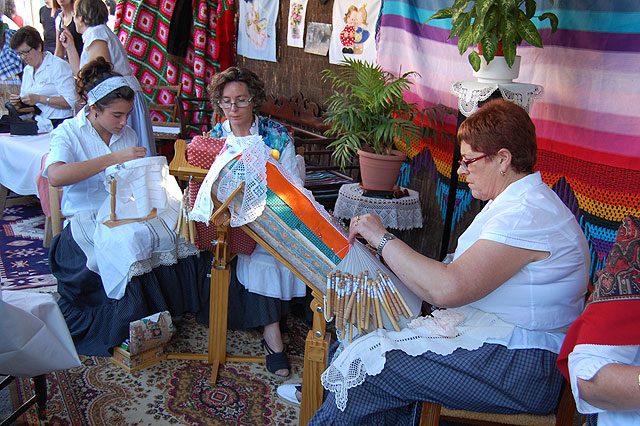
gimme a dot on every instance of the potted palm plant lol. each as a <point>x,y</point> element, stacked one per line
<point>496,26</point>
<point>368,116</point>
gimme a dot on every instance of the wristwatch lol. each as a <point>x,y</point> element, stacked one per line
<point>383,241</point>
<point>48,99</point>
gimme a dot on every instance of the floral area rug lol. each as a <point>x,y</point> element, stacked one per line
<point>23,260</point>
<point>172,392</point>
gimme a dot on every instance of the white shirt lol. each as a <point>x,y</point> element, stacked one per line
<point>260,271</point>
<point>544,296</point>
<point>116,51</point>
<point>10,23</point>
<point>52,78</point>
<point>585,361</point>
<point>76,140</point>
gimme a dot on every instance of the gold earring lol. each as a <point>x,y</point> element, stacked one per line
<point>502,173</point>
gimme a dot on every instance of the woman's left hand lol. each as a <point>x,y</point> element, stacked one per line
<point>31,99</point>
<point>367,226</point>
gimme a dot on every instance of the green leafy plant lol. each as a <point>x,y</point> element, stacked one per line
<point>367,108</point>
<point>490,22</point>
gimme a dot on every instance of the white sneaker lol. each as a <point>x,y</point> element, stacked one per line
<point>288,393</point>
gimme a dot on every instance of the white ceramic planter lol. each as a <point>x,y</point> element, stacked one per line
<point>497,71</point>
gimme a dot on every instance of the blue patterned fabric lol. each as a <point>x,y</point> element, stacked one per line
<point>490,379</point>
<point>274,134</point>
<point>10,61</point>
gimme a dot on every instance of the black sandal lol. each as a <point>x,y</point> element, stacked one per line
<point>276,361</point>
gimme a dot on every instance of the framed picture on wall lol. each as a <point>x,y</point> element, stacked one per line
<point>318,38</point>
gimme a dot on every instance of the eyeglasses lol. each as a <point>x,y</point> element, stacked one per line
<point>465,163</point>
<point>243,103</point>
<point>24,53</point>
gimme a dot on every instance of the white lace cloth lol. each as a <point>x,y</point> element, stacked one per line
<point>396,213</point>
<point>366,355</point>
<point>251,168</point>
<point>120,253</point>
<point>471,92</point>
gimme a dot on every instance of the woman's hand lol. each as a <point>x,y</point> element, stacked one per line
<point>31,99</point>
<point>66,39</point>
<point>367,226</point>
<point>14,99</point>
<point>129,154</point>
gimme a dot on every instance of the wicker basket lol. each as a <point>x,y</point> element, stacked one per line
<point>8,87</point>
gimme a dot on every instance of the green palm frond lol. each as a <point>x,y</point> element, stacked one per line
<point>367,108</point>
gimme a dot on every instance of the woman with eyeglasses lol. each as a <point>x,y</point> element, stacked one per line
<point>263,286</point>
<point>47,81</point>
<point>90,17</point>
<point>521,268</point>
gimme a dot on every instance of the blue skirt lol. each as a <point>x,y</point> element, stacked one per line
<point>491,379</point>
<point>98,323</point>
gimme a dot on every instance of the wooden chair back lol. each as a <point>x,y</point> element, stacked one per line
<point>196,115</point>
<point>167,130</point>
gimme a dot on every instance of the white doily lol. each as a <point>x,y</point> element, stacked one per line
<point>366,355</point>
<point>251,169</point>
<point>255,190</point>
<point>471,92</point>
<point>395,213</point>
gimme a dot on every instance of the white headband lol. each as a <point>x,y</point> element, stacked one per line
<point>105,87</point>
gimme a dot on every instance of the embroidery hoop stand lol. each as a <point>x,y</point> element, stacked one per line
<point>113,221</point>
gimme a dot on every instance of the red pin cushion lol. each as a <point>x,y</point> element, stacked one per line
<point>202,152</point>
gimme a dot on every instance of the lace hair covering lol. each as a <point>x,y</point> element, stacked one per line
<point>105,87</point>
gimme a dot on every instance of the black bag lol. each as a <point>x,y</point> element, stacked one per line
<point>18,126</point>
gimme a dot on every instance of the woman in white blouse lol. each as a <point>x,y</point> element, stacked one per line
<point>90,19</point>
<point>47,81</point>
<point>523,262</point>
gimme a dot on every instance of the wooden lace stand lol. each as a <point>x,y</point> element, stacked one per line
<point>317,342</point>
<point>113,221</point>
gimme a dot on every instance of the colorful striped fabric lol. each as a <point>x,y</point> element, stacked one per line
<point>587,120</point>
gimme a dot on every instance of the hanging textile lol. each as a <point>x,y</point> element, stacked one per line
<point>297,13</point>
<point>257,29</point>
<point>354,25</point>
<point>143,27</point>
<point>587,121</point>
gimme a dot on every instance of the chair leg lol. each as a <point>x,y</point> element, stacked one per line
<point>46,241</point>
<point>430,414</point>
<point>3,199</point>
<point>40,383</point>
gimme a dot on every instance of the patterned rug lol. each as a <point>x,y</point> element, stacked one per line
<point>23,260</point>
<point>172,392</point>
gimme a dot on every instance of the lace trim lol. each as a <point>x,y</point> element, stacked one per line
<point>165,258</point>
<point>470,93</point>
<point>366,355</point>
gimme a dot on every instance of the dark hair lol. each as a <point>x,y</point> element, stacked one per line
<point>502,124</point>
<point>95,72</point>
<point>28,35</point>
<point>93,12</point>
<point>241,75</point>
<point>10,8</point>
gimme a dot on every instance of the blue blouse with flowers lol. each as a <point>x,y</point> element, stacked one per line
<point>274,135</point>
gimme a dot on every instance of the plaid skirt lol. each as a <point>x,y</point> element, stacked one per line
<point>490,379</point>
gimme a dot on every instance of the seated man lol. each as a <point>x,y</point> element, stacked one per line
<point>601,353</point>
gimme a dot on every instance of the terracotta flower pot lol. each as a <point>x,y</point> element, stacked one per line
<point>380,172</point>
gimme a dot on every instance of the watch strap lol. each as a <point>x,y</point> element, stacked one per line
<point>383,241</point>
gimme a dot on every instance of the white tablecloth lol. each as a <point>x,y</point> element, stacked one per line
<point>396,213</point>
<point>35,338</point>
<point>20,159</point>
